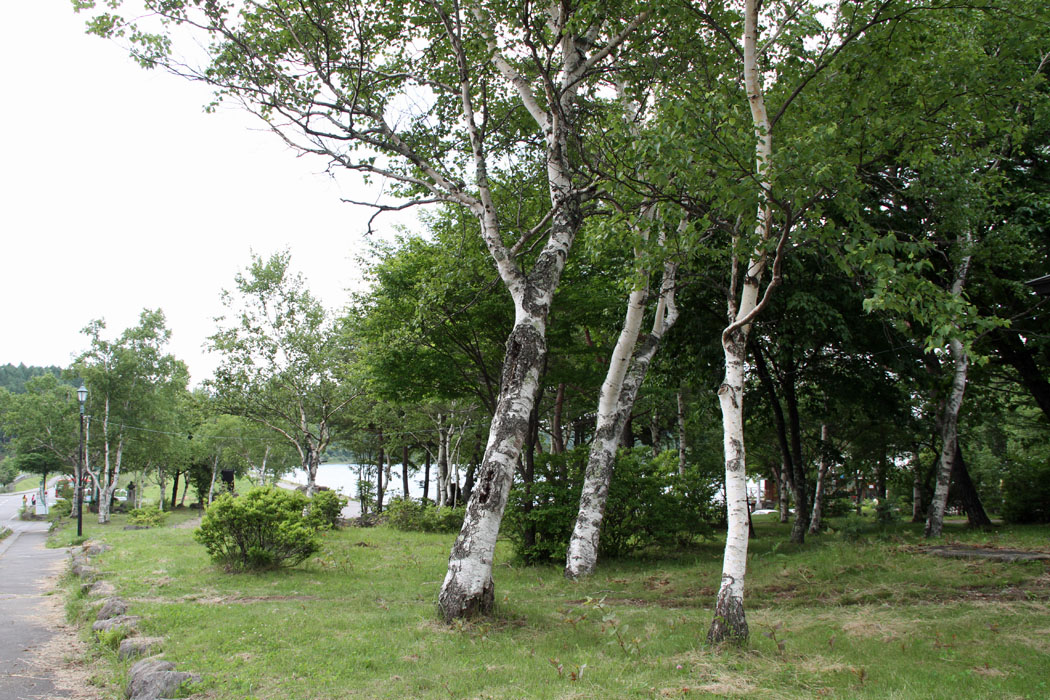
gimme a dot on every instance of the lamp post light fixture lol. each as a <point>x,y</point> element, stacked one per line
<point>81,397</point>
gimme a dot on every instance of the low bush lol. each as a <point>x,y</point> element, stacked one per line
<point>60,509</point>
<point>649,504</point>
<point>325,509</point>
<point>1026,493</point>
<point>146,517</point>
<point>412,516</point>
<point>265,528</point>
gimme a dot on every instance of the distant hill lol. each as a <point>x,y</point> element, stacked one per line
<point>14,377</point>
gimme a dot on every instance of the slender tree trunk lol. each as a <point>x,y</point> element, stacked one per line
<point>472,470</point>
<point>917,506</point>
<point>1014,352</point>
<point>729,622</point>
<point>211,484</point>
<point>950,420</point>
<point>161,484</point>
<point>426,473</point>
<point>468,588</point>
<point>786,480</point>
<point>380,465</point>
<point>681,433</point>
<point>818,490</point>
<point>528,472</point>
<point>654,433</point>
<point>798,476</point>
<point>783,489</point>
<point>557,438</point>
<point>627,369</point>
<point>971,500</point>
<point>442,462</point>
<point>311,460</point>
<point>185,487</point>
<point>858,492</point>
<point>404,470</point>
<point>175,488</point>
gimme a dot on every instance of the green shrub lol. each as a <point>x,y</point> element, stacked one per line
<point>408,515</point>
<point>853,527</point>
<point>649,504</point>
<point>325,509</point>
<point>146,517</point>
<point>1026,493</point>
<point>887,512</point>
<point>263,529</point>
<point>60,509</point>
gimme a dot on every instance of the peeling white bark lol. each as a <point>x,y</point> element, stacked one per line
<point>818,490</point>
<point>627,369</point>
<point>950,421</point>
<point>730,623</point>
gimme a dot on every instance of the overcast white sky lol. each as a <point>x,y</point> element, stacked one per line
<point>118,193</point>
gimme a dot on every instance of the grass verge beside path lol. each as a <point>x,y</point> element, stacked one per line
<point>873,619</point>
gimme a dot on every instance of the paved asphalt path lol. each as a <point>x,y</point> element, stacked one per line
<point>25,565</point>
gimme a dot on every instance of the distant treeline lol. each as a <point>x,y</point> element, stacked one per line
<point>14,377</point>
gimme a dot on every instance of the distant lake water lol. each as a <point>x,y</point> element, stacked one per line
<point>342,478</point>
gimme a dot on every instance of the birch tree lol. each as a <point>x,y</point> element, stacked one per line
<point>433,99</point>
<point>628,366</point>
<point>125,378</point>
<point>283,362</point>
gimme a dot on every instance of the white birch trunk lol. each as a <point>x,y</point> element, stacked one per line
<point>818,490</point>
<point>627,369</point>
<point>468,588</point>
<point>211,484</point>
<point>442,462</point>
<point>950,421</point>
<point>949,437</point>
<point>730,623</point>
<point>110,472</point>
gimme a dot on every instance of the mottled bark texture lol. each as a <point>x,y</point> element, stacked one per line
<point>818,490</point>
<point>729,623</point>
<point>627,369</point>
<point>950,420</point>
<point>468,589</point>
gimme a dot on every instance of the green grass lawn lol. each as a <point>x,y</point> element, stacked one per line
<point>873,619</point>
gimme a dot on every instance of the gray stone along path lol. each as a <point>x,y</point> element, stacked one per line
<point>25,567</point>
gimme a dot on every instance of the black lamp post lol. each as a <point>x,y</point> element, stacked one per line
<point>81,397</point>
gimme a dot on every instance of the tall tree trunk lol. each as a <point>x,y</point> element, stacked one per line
<point>783,492</point>
<point>971,500</point>
<point>918,510</point>
<point>729,622</point>
<point>468,588</point>
<point>798,475</point>
<point>786,480</point>
<point>681,432</point>
<point>528,473</point>
<point>557,438</point>
<point>472,470</point>
<point>404,470</point>
<point>426,473</point>
<point>858,492</point>
<point>818,490</point>
<point>654,433</point>
<point>1008,344</point>
<point>380,465</point>
<point>627,369</point>
<point>161,484</point>
<point>214,472</point>
<point>952,406</point>
<point>175,488</point>
<point>442,461</point>
<point>311,460</point>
